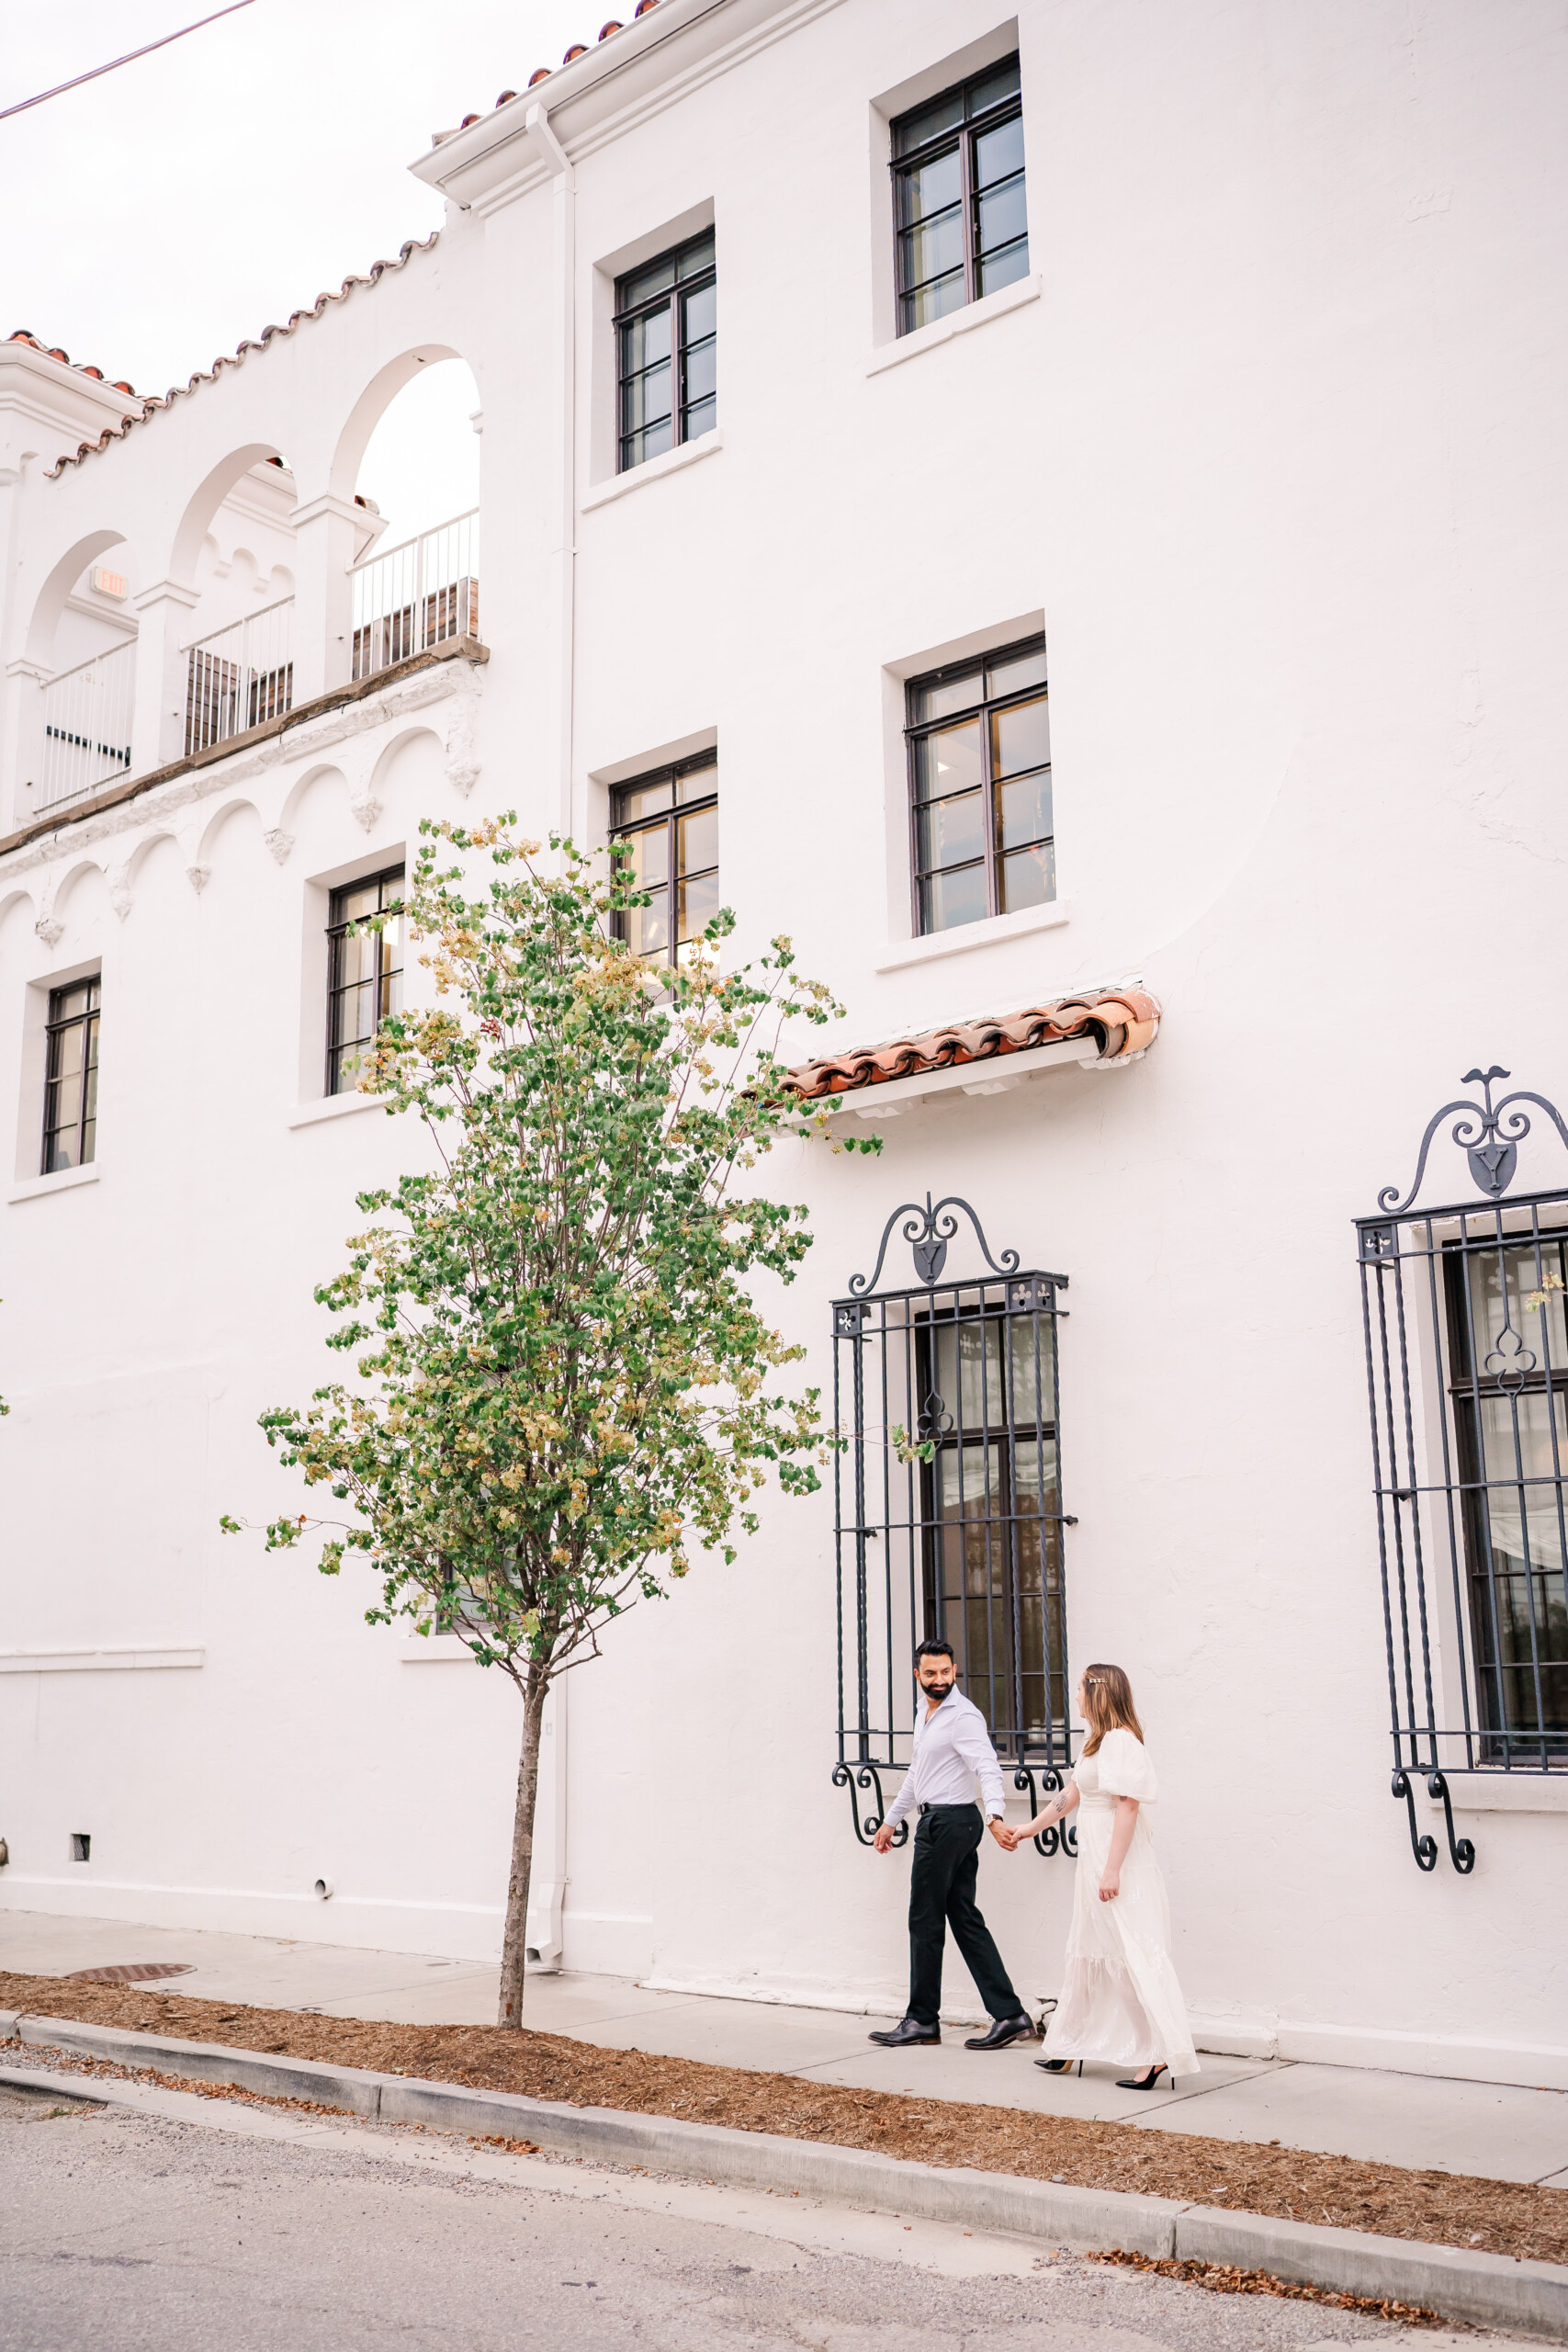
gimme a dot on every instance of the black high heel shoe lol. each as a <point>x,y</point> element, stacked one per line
<point>1142,2082</point>
<point>1057,2065</point>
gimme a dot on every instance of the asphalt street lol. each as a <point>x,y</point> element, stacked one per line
<point>245,2230</point>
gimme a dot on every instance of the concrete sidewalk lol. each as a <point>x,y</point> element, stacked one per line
<point>1427,2122</point>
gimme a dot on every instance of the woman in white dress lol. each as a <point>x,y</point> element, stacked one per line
<point>1121,2002</point>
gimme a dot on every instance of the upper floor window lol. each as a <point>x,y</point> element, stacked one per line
<point>71,1076</point>
<point>669,822</point>
<point>980,737</point>
<point>365,976</point>
<point>958,197</point>
<point>667,347</point>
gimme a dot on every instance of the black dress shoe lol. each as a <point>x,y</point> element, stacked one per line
<point>909,2030</point>
<point>1005,2029</point>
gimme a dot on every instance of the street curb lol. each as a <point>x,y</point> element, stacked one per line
<point>1490,2290</point>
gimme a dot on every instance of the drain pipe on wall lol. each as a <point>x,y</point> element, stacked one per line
<point>553,155</point>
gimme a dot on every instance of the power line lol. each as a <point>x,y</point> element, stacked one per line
<point>131,54</point>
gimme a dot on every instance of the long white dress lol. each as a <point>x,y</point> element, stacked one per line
<point>1121,2002</point>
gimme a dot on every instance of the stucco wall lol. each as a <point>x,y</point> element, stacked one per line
<point>1275,450</point>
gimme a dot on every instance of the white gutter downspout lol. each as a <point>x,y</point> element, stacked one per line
<point>547,1893</point>
<point>553,155</point>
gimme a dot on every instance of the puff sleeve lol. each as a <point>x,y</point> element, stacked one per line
<point>1124,1768</point>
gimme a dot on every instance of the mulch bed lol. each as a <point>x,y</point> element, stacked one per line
<point>1447,2208</point>
<point>1224,2278</point>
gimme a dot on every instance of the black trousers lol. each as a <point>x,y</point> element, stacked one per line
<point>941,1895</point>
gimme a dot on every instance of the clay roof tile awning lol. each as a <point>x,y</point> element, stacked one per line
<point>1124,1022</point>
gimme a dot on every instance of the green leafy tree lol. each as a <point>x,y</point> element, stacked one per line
<point>564,1383</point>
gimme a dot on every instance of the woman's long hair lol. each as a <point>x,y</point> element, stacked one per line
<point>1108,1703</point>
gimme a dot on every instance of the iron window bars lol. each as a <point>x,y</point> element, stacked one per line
<point>958,197</point>
<point>667,342</point>
<point>364,977</point>
<point>1467,1380</point>
<point>668,823</point>
<point>947,1509</point>
<point>71,1076</point>
<point>981,823</point>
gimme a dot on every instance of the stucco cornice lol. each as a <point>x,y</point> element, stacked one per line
<point>647,67</point>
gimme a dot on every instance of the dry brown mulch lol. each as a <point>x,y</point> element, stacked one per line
<point>1447,2208</point>
<point>1224,2278</point>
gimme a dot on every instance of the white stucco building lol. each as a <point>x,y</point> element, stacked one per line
<point>1251,443</point>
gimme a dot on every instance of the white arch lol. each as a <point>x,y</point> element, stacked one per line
<point>372,406</point>
<point>51,598</point>
<point>205,501</point>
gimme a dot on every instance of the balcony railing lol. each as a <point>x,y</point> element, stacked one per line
<point>417,596</point>
<point>86,727</point>
<point>240,676</point>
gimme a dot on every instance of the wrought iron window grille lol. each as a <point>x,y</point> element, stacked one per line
<point>948,1518</point>
<point>1463,1315</point>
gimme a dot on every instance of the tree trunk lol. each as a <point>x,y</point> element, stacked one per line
<point>513,1946</point>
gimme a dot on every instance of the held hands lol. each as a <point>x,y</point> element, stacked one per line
<point>1007,1838</point>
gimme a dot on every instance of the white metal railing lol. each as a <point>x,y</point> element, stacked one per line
<point>416,596</point>
<point>240,676</point>
<point>86,725</point>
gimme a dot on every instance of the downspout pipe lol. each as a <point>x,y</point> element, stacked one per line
<point>553,155</point>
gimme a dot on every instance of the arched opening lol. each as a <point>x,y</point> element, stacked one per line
<point>236,549</point>
<point>413,441</point>
<point>83,637</point>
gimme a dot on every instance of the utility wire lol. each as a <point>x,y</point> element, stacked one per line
<point>131,54</point>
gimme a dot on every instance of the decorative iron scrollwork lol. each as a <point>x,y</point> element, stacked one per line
<point>866,1776</point>
<point>1488,1134</point>
<point>928,1231</point>
<point>1059,1839</point>
<point>1424,1847</point>
<point>1461,1853</point>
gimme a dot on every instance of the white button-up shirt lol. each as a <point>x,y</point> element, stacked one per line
<point>952,1750</point>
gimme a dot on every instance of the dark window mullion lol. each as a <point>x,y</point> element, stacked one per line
<point>677,371</point>
<point>970,216</point>
<point>993,815</point>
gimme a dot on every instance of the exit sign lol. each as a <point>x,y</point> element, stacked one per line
<point>111,584</point>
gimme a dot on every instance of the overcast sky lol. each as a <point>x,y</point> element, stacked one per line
<point>161,214</point>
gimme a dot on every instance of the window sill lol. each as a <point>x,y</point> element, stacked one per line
<point>986,933</point>
<point>437,1650</point>
<point>61,1182</point>
<point>673,462</point>
<point>333,1107</point>
<point>1502,1793</point>
<point>973,314</point>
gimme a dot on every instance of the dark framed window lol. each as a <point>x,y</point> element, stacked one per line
<point>668,823</point>
<point>948,1517</point>
<point>365,973</point>
<point>958,198</point>
<point>982,835</point>
<point>667,351</point>
<point>71,1076</point>
<point>1508,1391</point>
<point>992,1512</point>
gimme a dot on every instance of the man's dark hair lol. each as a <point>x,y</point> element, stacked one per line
<point>936,1649</point>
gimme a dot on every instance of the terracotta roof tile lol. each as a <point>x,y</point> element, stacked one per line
<point>377,270</point>
<point>52,351</point>
<point>1124,1020</point>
